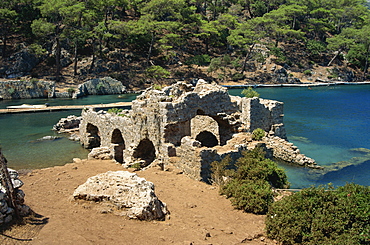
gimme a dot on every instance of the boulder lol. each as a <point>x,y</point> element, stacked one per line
<point>70,123</point>
<point>103,153</point>
<point>22,63</point>
<point>132,195</point>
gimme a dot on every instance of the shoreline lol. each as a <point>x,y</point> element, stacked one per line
<point>321,84</point>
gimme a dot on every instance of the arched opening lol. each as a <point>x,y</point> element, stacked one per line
<point>119,145</point>
<point>93,137</point>
<point>207,139</point>
<point>225,130</point>
<point>145,151</point>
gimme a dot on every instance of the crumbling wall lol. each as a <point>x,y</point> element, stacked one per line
<point>182,121</point>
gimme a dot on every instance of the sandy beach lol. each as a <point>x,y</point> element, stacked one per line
<point>199,215</point>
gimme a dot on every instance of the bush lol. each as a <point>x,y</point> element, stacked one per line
<point>319,216</point>
<point>258,134</point>
<point>114,111</point>
<point>307,72</point>
<point>248,183</point>
<point>200,60</point>
<point>250,93</point>
<point>157,72</point>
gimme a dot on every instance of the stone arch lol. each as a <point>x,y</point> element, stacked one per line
<point>225,130</point>
<point>207,139</point>
<point>118,145</point>
<point>93,136</point>
<point>145,151</point>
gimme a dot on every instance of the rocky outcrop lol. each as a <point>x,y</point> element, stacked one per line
<point>22,89</point>
<point>131,195</point>
<point>68,124</point>
<point>104,85</point>
<point>22,63</point>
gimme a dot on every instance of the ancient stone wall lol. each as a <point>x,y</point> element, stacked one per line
<point>198,125</point>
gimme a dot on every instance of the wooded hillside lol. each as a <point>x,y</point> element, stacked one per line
<point>149,41</point>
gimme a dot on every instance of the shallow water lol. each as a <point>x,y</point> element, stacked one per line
<point>324,122</point>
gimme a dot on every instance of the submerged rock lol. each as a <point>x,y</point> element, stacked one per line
<point>133,195</point>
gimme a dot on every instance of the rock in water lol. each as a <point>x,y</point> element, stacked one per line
<point>128,192</point>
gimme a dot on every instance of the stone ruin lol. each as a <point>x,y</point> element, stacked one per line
<point>188,126</point>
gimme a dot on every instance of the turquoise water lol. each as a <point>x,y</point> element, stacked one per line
<point>19,133</point>
<point>324,122</point>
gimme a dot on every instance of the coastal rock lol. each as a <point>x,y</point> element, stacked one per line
<point>131,195</point>
<point>22,89</point>
<point>104,85</point>
<point>68,124</point>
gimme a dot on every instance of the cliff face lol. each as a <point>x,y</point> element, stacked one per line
<point>26,89</point>
<point>194,125</point>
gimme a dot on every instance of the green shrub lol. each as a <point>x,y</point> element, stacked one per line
<point>307,72</point>
<point>250,93</point>
<point>258,134</point>
<point>200,60</point>
<point>114,111</point>
<point>157,72</point>
<point>252,196</point>
<point>157,87</point>
<point>248,183</point>
<point>319,216</point>
<point>11,91</point>
<point>100,86</point>
<point>71,91</point>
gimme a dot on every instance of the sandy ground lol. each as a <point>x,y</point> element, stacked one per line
<point>199,215</point>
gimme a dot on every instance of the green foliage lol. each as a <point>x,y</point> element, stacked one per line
<point>137,166</point>
<point>252,196</point>
<point>307,72</point>
<point>315,47</point>
<point>100,86</point>
<point>157,86</point>
<point>249,185</point>
<point>114,111</point>
<point>258,134</point>
<point>319,216</point>
<point>11,91</point>
<point>71,91</point>
<point>279,54</point>
<point>157,72</point>
<point>250,93</point>
<point>37,49</point>
<point>200,60</point>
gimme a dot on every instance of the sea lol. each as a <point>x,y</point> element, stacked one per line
<point>330,124</point>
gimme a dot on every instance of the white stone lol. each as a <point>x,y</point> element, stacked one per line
<point>128,192</point>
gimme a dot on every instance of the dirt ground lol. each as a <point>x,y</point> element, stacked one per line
<point>199,215</point>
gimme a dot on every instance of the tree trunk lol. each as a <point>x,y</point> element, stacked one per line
<point>335,56</point>
<point>93,56</point>
<point>4,46</point>
<point>75,60</point>
<point>366,61</point>
<point>150,49</point>
<point>246,58</point>
<point>57,59</point>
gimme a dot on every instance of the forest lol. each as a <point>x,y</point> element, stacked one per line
<point>158,41</point>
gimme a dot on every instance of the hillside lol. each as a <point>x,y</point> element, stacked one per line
<point>145,42</point>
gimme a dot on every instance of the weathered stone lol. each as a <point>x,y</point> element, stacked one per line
<point>133,195</point>
<point>104,85</point>
<point>67,124</point>
<point>196,124</point>
<point>103,153</point>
